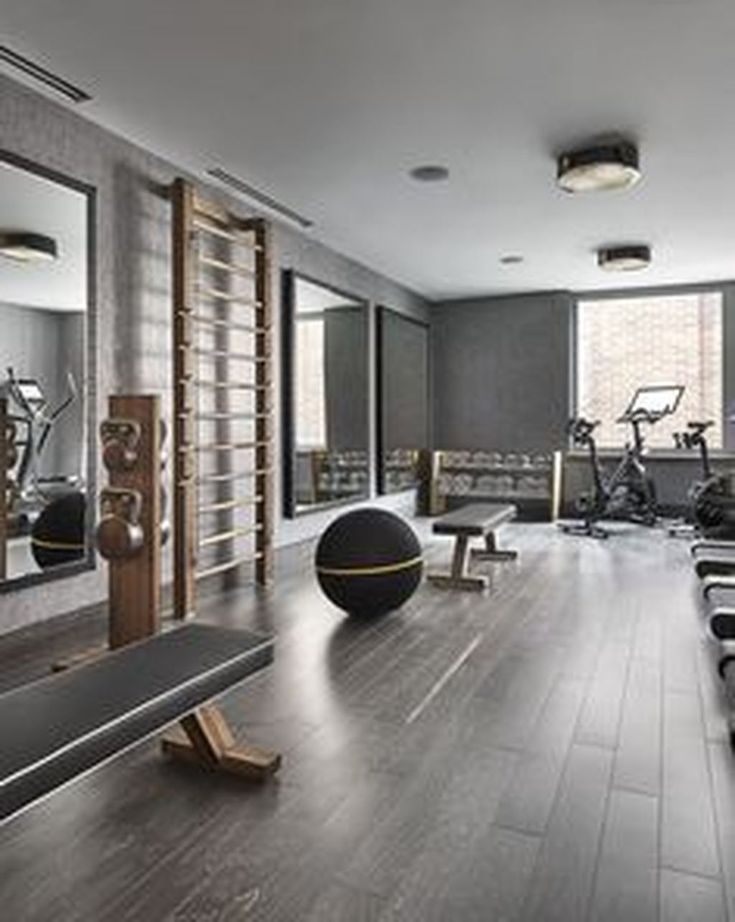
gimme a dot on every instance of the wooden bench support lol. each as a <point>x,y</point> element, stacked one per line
<point>204,738</point>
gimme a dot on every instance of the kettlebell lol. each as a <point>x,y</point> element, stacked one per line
<point>120,440</point>
<point>119,533</point>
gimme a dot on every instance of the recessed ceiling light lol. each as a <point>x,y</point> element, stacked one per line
<point>28,247</point>
<point>429,172</point>
<point>624,259</point>
<point>599,168</point>
<point>512,259</point>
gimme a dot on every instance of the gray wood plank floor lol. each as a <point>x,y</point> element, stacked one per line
<point>552,750</point>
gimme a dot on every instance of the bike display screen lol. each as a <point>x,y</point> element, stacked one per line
<point>661,400</point>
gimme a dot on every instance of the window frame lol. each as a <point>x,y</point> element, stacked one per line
<point>662,291</point>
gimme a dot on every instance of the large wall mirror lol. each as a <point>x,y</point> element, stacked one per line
<point>46,307</point>
<point>403,399</point>
<point>325,362</point>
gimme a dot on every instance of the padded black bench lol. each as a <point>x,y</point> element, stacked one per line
<point>58,727</point>
<point>478,520</point>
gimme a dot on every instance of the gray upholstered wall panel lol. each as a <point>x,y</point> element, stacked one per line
<point>132,344</point>
<point>502,372</point>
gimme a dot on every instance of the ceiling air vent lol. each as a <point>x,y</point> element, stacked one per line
<point>46,77</point>
<point>262,198</point>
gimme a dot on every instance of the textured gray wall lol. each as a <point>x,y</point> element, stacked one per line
<point>133,279</point>
<point>405,384</point>
<point>501,371</point>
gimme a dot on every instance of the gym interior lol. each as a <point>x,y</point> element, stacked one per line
<point>367,433</point>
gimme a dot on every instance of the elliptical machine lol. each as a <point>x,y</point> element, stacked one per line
<point>711,503</point>
<point>30,411</point>
<point>629,493</point>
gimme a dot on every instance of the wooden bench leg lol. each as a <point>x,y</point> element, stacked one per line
<point>459,578</point>
<point>491,551</point>
<point>207,741</point>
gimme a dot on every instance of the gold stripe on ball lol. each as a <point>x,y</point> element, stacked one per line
<point>370,571</point>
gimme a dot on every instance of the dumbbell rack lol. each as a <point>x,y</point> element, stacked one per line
<point>222,426</point>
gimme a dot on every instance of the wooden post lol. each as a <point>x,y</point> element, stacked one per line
<point>135,582</point>
<point>184,390</point>
<point>557,473</point>
<point>263,404</point>
<point>4,509</point>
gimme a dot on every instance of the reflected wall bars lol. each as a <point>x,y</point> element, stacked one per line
<point>222,379</point>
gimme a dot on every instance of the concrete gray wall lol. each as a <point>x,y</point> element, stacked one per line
<point>501,370</point>
<point>405,384</point>
<point>133,281</point>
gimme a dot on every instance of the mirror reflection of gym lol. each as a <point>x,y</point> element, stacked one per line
<point>43,302</point>
<point>328,368</point>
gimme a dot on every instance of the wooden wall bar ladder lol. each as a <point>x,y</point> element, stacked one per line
<point>222,382</point>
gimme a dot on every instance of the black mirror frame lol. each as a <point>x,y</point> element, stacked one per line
<point>288,390</point>
<point>89,561</point>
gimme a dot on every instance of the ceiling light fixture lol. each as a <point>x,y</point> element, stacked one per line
<point>624,258</point>
<point>28,247</point>
<point>429,172</point>
<point>599,168</point>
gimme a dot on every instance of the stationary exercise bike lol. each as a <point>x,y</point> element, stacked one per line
<point>711,503</point>
<point>629,493</point>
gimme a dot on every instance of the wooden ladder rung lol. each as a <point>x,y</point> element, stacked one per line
<point>230,504</point>
<point>234,268</point>
<point>216,294</point>
<point>229,565</point>
<point>239,237</point>
<point>231,475</point>
<point>222,536</point>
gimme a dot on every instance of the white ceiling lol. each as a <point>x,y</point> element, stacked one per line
<point>326,104</point>
<point>31,203</point>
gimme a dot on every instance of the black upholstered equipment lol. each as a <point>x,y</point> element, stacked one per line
<point>368,562</point>
<point>63,725</point>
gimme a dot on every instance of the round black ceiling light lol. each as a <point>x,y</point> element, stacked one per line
<point>429,172</point>
<point>624,258</point>
<point>28,247</point>
<point>599,168</point>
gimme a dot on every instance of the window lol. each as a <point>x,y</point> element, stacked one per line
<point>310,385</point>
<point>625,343</point>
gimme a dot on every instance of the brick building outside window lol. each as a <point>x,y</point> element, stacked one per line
<point>625,343</point>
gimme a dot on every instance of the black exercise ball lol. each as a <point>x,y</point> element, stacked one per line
<point>58,533</point>
<point>368,562</point>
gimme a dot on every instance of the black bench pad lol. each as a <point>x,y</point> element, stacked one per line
<point>60,726</point>
<point>475,519</point>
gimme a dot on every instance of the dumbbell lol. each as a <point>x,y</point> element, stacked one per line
<point>119,533</point>
<point>120,441</point>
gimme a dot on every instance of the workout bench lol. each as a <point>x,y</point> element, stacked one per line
<point>478,520</point>
<point>62,726</point>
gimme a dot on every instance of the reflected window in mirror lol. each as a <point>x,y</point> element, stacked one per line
<point>326,437</point>
<point>46,292</point>
<point>403,399</point>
